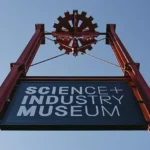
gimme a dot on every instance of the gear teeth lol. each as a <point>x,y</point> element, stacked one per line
<point>55,42</point>
<point>97,34</point>
<point>60,47</point>
<point>75,11</point>
<point>83,52</point>
<point>54,35</point>
<point>95,41</point>
<point>67,52</point>
<point>83,14</point>
<point>59,18</point>
<point>95,25</point>
<point>55,25</point>
<point>90,47</point>
<point>67,14</point>
<point>90,18</point>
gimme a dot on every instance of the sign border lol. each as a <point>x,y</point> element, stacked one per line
<point>75,127</point>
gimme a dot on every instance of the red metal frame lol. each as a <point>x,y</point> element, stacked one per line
<point>22,65</point>
<point>131,68</point>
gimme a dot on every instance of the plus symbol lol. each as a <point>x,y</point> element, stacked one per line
<point>116,90</point>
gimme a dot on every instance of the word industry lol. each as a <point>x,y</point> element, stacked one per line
<point>74,104</point>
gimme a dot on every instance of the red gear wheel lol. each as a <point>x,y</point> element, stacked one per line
<point>75,37</point>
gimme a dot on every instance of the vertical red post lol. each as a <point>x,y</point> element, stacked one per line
<point>22,64</point>
<point>130,67</point>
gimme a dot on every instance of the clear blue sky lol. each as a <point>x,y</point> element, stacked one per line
<point>16,28</point>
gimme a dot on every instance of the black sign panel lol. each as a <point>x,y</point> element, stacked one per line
<point>74,105</point>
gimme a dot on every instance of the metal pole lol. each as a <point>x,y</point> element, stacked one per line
<point>22,64</point>
<point>126,62</point>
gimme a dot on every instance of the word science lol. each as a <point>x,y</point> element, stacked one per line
<point>73,103</point>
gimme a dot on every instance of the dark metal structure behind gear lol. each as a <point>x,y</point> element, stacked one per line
<point>75,32</point>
